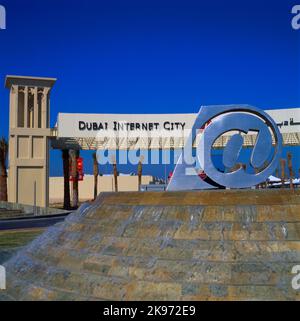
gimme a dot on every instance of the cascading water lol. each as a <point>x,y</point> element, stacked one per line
<point>224,245</point>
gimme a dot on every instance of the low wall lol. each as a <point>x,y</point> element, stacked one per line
<point>28,209</point>
<point>86,187</point>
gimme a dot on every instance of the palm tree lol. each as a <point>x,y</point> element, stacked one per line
<point>140,172</point>
<point>96,173</point>
<point>282,163</point>
<point>115,171</point>
<point>66,162</point>
<point>3,171</point>
<point>290,167</point>
<point>74,173</point>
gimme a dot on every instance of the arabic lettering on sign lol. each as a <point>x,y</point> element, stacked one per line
<point>290,122</point>
<point>287,120</point>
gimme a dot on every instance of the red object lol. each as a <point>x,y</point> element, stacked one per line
<point>205,126</point>
<point>202,175</point>
<point>80,174</point>
<point>80,168</point>
<point>80,164</point>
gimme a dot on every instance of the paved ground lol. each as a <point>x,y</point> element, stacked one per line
<point>31,222</point>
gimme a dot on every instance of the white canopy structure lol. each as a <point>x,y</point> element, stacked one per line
<point>151,131</point>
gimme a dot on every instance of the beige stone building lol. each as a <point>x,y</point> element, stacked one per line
<point>29,132</point>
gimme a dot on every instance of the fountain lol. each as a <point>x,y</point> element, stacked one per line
<point>194,245</point>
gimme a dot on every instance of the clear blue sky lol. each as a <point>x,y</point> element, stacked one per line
<point>152,56</point>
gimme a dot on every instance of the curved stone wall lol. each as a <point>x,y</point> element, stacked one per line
<point>202,245</point>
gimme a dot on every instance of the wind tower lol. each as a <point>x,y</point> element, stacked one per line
<point>29,132</point>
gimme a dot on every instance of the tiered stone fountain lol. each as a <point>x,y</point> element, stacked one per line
<point>202,245</point>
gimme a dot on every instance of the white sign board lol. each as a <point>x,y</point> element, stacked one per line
<point>93,125</point>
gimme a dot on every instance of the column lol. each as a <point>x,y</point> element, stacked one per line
<point>35,108</point>
<point>14,106</point>
<point>44,108</point>
<point>26,107</point>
